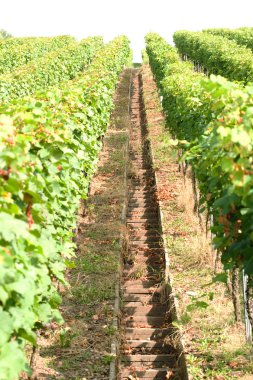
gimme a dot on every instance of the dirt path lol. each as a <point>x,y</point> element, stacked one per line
<point>148,348</point>
<point>149,344</point>
<point>81,348</point>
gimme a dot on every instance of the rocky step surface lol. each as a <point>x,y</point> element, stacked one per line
<point>148,344</point>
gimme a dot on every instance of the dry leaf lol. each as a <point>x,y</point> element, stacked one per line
<point>169,374</point>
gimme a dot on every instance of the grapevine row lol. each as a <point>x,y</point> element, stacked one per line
<point>48,151</point>
<point>242,36</point>
<point>176,80</point>
<point>50,70</point>
<point>217,54</point>
<point>213,120</point>
<point>16,52</point>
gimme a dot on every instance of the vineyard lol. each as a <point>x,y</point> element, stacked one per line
<point>127,207</point>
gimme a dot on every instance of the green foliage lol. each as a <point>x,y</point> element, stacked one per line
<point>222,159</point>
<point>180,88</point>
<point>144,56</point>
<point>66,336</point>
<point>48,151</point>
<point>214,118</point>
<point>242,36</point>
<point>16,52</point>
<point>219,55</point>
<point>159,53</point>
<point>52,69</point>
<point>107,359</point>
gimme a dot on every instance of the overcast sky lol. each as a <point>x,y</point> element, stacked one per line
<point>110,18</point>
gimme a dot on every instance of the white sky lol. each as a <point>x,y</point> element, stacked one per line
<point>110,18</point>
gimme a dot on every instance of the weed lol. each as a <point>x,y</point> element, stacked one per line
<point>94,263</point>
<point>110,330</point>
<point>185,318</point>
<point>66,336</point>
<point>94,292</point>
<point>107,359</point>
<point>90,207</point>
<point>138,273</point>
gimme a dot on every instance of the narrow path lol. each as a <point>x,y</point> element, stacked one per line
<point>147,351</point>
<point>81,348</point>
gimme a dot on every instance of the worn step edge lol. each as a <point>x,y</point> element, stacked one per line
<point>134,333</point>
<point>140,321</point>
<point>146,299</point>
<point>150,374</point>
<point>142,310</point>
<point>168,359</point>
<point>138,343</point>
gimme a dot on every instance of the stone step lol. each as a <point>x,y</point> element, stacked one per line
<point>139,289</point>
<point>138,188</point>
<point>141,200</point>
<point>137,346</point>
<point>143,267</point>
<point>146,251</point>
<point>147,310</point>
<point>145,208</point>
<point>154,261</point>
<point>159,360</point>
<point>146,239</point>
<point>144,283</point>
<point>148,219</point>
<point>142,233</point>
<point>143,245</point>
<point>141,191</point>
<point>144,298</point>
<point>152,212</point>
<point>135,194</point>
<point>137,224</point>
<point>144,321</point>
<point>147,333</point>
<point>145,374</point>
<point>142,205</point>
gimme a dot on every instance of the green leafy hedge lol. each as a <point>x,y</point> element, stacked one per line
<point>217,54</point>
<point>48,151</point>
<point>160,53</point>
<point>242,36</point>
<point>177,82</point>
<point>222,158</point>
<point>16,52</point>
<point>50,70</point>
<point>213,119</point>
